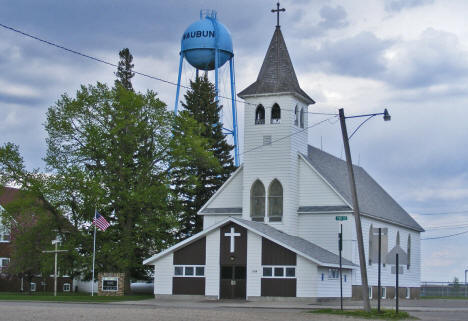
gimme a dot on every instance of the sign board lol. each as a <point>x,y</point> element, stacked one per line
<point>400,270</point>
<point>402,256</point>
<point>110,284</point>
<point>341,218</point>
<point>374,244</point>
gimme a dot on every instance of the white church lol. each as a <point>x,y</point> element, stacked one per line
<point>272,229</point>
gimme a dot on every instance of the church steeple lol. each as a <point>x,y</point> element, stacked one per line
<point>277,74</point>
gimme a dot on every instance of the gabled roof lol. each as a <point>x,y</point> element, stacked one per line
<point>307,249</point>
<point>277,74</point>
<point>374,201</point>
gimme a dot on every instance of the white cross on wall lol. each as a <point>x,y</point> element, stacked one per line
<point>232,235</point>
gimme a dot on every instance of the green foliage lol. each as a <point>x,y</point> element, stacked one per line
<point>194,183</point>
<point>124,70</point>
<point>110,149</point>
<point>374,314</point>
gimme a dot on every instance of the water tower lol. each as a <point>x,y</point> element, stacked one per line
<point>207,45</point>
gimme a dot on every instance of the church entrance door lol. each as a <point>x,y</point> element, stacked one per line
<point>233,285</point>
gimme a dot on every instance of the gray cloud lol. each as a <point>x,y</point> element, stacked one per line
<point>435,58</point>
<point>358,56</point>
<point>399,5</point>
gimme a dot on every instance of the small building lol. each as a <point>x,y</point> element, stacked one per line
<point>272,229</point>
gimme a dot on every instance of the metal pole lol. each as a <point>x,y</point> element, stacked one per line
<point>234,112</point>
<point>397,271</point>
<point>357,217</point>
<point>55,273</point>
<point>181,62</point>
<point>378,282</point>
<point>94,253</point>
<point>341,268</point>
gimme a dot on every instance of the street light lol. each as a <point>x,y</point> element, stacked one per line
<point>352,183</point>
<point>55,242</point>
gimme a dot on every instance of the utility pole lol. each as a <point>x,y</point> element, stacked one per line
<point>357,217</point>
<point>56,251</point>
<point>380,259</point>
<point>340,248</point>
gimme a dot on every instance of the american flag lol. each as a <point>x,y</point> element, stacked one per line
<point>100,221</point>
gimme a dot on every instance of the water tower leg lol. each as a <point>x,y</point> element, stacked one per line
<point>234,111</point>
<point>216,74</point>
<point>178,83</point>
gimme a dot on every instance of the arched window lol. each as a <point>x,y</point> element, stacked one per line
<point>260,115</point>
<point>409,251</point>
<point>398,238</point>
<point>275,201</point>
<point>371,243</point>
<point>302,117</point>
<point>275,114</point>
<point>257,201</point>
<point>296,116</point>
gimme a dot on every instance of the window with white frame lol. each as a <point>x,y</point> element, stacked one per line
<point>66,287</point>
<point>32,287</point>
<point>4,261</point>
<point>370,292</point>
<point>4,234</point>
<point>189,270</point>
<point>333,273</point>
<point>384,293</point>
<point>408,293</point>
<point>279,271</point>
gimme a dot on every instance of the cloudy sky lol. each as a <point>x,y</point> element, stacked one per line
<point>410,56</point>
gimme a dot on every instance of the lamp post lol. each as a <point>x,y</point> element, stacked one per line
<point>357,215</point>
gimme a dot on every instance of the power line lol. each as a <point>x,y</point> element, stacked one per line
<point>443,237</point>
<point>443,213</point>
<point>284,137</point>
<point>446,226</point>
<point>136,72</point>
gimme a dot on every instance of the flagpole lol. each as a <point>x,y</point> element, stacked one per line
<point>94,252</point>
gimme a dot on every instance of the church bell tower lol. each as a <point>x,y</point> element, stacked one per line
<point>275,132</point>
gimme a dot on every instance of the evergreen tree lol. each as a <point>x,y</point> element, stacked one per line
<point>198,181</point>
<point>125,69</point>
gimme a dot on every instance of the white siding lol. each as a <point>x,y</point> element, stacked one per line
<point>323,229</point>
<point>209,220</point>
<point>331,287</point>
<point>409,278</point>
<point>313,190</point>
<point>163,273</point>
<point>231,193</point>
<point>306,274</point>
<point>278,160</point>
<point>212,264</point>
<point>254,264</point>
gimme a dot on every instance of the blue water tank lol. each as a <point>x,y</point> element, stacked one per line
<point>200,40</point>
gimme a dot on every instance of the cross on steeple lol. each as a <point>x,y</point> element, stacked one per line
<point>278,10</point>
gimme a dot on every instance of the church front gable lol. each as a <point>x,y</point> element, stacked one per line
<point>228,199</point>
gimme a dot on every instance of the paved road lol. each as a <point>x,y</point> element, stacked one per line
<point>36,311</point>
<point>197,311</point>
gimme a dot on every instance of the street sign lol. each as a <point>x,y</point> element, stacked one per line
<point>400,270</point>
<point>341,218</point>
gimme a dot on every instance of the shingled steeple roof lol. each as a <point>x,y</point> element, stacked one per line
<point>277,74</point>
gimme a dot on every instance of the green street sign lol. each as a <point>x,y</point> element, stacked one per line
<point>341,218</point>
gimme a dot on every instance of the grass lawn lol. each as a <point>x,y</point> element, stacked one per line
<point>444,297</point>
<point>374,315</point>
<point>70,297</point>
